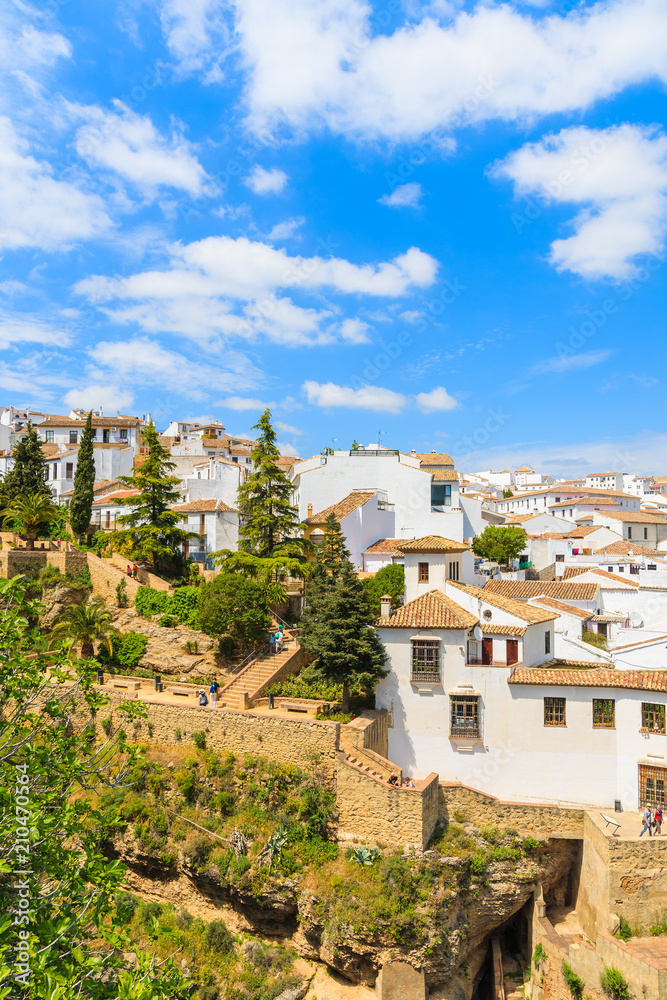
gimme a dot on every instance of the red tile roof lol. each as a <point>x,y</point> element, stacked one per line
<point>599,677</point>
<point>524,612</point>
<point>344,507</point>
<point>205,507</point>
<point>535,588</point>
<point>110,498</point>
<point>385,545</point>
<point>562,607</point>
<point>431,610</point>
<point>431,543</point>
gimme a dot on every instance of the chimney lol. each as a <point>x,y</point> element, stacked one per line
<point>310,510</point>
<point>385,606</point>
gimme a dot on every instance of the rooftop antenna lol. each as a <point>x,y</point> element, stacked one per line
<point>380,433</point>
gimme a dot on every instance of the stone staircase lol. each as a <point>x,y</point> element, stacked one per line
<point>256,676</point>
<point>365,764</point>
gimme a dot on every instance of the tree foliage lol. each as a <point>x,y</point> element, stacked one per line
<point>56,885</point>
<point>28,474</point>
<point>235,606</point>
<point>32,510</point>
<point>152,534</point>
<point>500,543</point>
<point>269,519</point>
<point>81,504</point>
<point>82,625</point>
<point>388,580</point>
<point>337,628</point>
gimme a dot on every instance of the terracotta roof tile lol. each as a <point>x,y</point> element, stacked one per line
<point>524,612</point>
<point>444,476</point>
<point>571,571</point>
<point>562,607</point>
<point>431,543</point>
<point>344,507</point>
<point>536,588</point>
<point>632,680</point>
<point>635,517</point>
<point>55,421</point>
<point>433,458</point>
<point>385,545</point>
<point>586,502</point>
<point>111,498</point>
<point>489,629</point>
<point>204,506</point>
<point>624,548</point>
<point>431,610</point>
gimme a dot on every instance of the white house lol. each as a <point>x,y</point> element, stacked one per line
<point>423,488</point>
<point>364,517</point>
<point>605,481</point>
<point>474,693</point>
<point>541,500</point>
<point>213,525</point>
<point>636,526</point>
<point>111,461</point>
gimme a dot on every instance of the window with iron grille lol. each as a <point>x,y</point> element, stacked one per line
<point>652,783</point>
<point>554,711</point>
<point>547,642</point>
<point>425,660</point>
<point>453,571</point>
<point>423,572</point>
<point>653,717</point>
<point>604,713</point>
<point>464,715</point>
<point>73,437</point>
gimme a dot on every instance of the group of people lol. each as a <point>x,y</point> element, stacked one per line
<point>652,821</point>
<point>276,640</point>
<point>132,570</point>
<point>395,783</point>
<point>212,693</point>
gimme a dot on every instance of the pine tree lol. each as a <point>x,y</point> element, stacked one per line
<point>81,506</point>
<point>338,630</point>
<point>28,474</point>
<point>269,518</point>
<point>152,534</point>
<point>332,553</point>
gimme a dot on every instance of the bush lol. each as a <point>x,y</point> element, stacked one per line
<point>131,649</point>
<point>184,604</point>
<point>121,594</point>
<point>150,601</point>
<point>478,863</point>
<point>234,605</point>
<point>594,639</point>
<point>168,620</point>
<point>624,931</point>
<point>218,938</point>
<point>150,911</point>
<point>126,905</point>
<point>574,983</point>
<point>198,851</point>
<point>199,740</point>
<point>613,984</point>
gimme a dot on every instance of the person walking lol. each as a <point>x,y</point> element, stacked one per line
<point>135,570</point>
<point>279,640</point>
<point>657,820</point>
<point>648,819</point>
<point>129,570</point>
<point>203,700</point>
<point>213,691</point>
<point>272,644</point>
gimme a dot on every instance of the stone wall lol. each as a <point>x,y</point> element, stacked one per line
<point>476,807</point>
<point>293,665</point>
<point>15,562</point>
<point>370,731</point>
<point>370,810</point>
<point>591,888</point>
<point>637,882</point>
<point>105,578</point>
<point>290,741</point>
<point>145,578</point>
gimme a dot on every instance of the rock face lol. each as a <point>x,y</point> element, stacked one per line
<point>57,600</point>
<point>167,652</point>
<point>460,922</point>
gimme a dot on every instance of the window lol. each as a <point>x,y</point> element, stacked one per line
<point>488,615</point>
<point>610,569</point>
<point>645,532</point>
<point>560,558</point>
<point>423,572</point>
<point>453,571</point>
<point>69,470</point>
<point>441,495</point>
<point>554,711</point>
<point>108,519</point>
<point>425,660</point>
<point>202,524</point>
<point>571,512</point>
<point>621,569</point>
<point>105,437</point>
<point>547,642</point>
<point>464,715</point>
<point>652,782</point>
<point>629,532</point>
<point>73,437</point>
<point>634,569</point>
<point>123,434</point>
<point>651,566</point>
<point>653,717</point>
<point>604,713</point>
<point>49,437</point>
<point>557,500</point>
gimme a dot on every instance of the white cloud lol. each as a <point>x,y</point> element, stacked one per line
<point>35,209</point>
<point>314,62</point>
<point>196,33</point>
<point>109,397</point>
<point>242,403</point>
<point>403,196</point>
<point>144,362</point>
<point>30,329</point>
<point>287,449</point>
<point>436,399</point>
<point>221,287</point>
<point>571,362</point>
<point>263,181</point>
<point>286,428</point>
<point>129,145</point>
<point>330,395</point>
<point>285,230</point>
<point>619,178</point>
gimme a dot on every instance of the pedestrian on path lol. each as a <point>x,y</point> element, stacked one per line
<point>272,644</point>
<point>279,640</point>
<point>648,819</point>
<point>135,570</point>
<point>203,700</point>
<point>129,570</point>
<point>657,820</point>
<point>213,691</point>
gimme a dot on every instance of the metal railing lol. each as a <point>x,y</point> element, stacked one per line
<point>428,676</point>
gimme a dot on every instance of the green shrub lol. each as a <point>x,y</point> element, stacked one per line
<point>659,925</point>
<point>539,954</point>
<point>613,984</point>
<point>121,594</point>
<point>224,801</point>
<point>594,639</point>
<point>530,844</point>
<point>217,938</point>
<point>150,911</point>
<point>126,905</point>
<point>574,983</point>
<point>199,850</point>
<point>150,601</point>
<point>168,620</point>
<point>624,931</point>
<point>490,834</point>
<point>184,604</point>
<point>131,649</point>
<point>199,739</point>
<point>478,863</point>
<point>183,919</point>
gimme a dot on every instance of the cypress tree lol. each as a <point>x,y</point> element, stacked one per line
<point>28,475</point>
<point>338,629</point>
<point>81,506</point>
<point>268,516</point>
<point>152,534</point>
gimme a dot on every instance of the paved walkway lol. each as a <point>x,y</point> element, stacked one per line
<point>630,825</point>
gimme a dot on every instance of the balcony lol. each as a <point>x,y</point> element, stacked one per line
<point>465,729</point>
<point>424,676</point>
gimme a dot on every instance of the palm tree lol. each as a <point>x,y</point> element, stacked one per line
<point>33,509</point>
<point>84,624</point>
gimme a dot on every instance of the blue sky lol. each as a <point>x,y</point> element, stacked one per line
<point>439,223</point>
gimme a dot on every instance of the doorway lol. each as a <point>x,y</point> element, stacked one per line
<point>487,652</point>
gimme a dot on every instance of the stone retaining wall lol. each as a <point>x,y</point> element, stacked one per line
<point>15,562</point>
<point>476,807</point>
<point>145,578</point>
